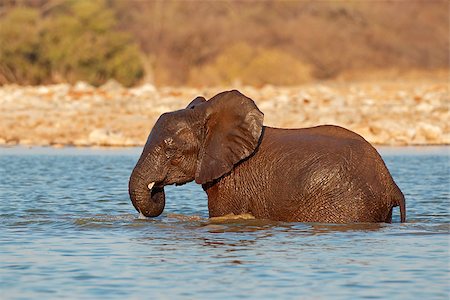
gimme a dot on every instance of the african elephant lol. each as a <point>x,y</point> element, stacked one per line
<point>319,174</point>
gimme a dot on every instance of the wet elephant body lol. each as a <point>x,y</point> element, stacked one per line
<point>319,174</point>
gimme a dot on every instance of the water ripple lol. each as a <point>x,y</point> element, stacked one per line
<point>68,230</point>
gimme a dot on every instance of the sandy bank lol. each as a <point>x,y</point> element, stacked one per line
<point>386,113</point>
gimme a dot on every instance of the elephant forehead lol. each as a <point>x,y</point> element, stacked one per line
<point>168,123</point>
<point>168,127</point>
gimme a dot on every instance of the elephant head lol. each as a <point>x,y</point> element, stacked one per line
<point>201,142</point>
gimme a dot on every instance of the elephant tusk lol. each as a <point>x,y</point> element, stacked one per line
<point>150,185</point>
<point>141,216</point>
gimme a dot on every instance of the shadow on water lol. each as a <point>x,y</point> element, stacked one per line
<point>220,225</point>
<point>241,225</point>
<point>333,228</point>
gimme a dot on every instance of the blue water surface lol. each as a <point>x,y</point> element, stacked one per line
<point>69,231</point>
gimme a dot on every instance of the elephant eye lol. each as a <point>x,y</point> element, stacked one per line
<point>175,161</point>
<point>170,151</point>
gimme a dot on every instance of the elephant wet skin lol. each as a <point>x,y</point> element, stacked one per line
<point>320,174</point>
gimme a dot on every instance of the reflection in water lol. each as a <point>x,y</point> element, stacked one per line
<point>68,228</point>
<point>331,228</point>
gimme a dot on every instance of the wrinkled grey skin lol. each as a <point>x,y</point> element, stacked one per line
<point>319,174</point>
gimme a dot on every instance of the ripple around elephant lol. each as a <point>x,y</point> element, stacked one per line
<point>318,174</point>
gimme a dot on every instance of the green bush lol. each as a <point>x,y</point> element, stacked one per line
<point>76,41</point>
<point>20,52</point>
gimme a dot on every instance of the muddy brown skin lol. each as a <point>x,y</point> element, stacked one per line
<point>319,174</point>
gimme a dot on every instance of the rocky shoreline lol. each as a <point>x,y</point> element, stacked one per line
<point>413,112</point>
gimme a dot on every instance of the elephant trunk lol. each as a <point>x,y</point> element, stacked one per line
<point>148,199</point>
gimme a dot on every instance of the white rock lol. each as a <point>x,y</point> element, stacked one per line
<point>424,108</point>
<point>431,132</point>
<point>111,86</point>
<point>82,86</point>
<point>42,90</point>
<point>144,89</point>
<point>104,137</point>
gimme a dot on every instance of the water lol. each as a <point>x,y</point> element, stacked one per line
<point>68,230</point>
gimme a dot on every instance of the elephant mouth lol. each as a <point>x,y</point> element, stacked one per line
<point>155,201</point>
<point>148,199</point>
<point>155,185</point>
<point>154,188</point>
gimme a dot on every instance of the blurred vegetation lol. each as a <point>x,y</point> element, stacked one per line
<point>242,64</point>
<point>76,41</point>
<point>217,42</point>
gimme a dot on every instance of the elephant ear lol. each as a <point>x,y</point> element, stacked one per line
<point>233,126</point>
<point>197,101</point>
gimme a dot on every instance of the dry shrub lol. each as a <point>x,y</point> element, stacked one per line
<point>242,64</point>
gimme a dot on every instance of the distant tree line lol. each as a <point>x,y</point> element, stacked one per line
<point>216,42</point>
